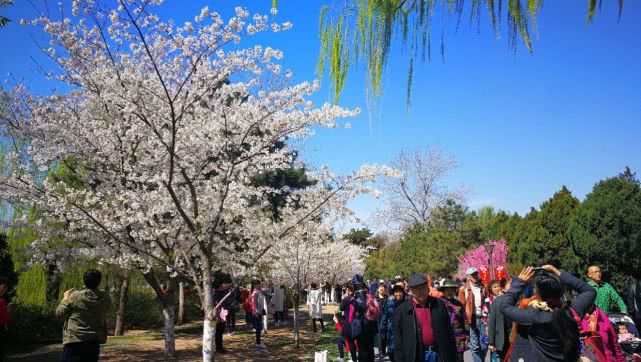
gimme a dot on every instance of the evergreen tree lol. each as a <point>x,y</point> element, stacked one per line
<point>543,233</point>
<point>606,228</point>
<point>7,272</point>
<point>450,216</point>
<point>432,251</point>
<point>358,236</point>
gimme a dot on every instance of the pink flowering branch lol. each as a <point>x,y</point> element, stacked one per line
<point>477,257</point>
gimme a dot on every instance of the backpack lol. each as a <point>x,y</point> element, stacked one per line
<point>353,326</point>
<point>373,310</point>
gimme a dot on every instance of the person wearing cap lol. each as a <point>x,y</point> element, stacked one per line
<point>457,316</point>
<point>472,295</point>
<point>422,329</point>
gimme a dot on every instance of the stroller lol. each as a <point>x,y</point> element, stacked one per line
<point>629,348</point>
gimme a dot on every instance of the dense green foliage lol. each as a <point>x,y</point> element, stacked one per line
<point>543,233</point>
<point>358,236</point>
<point>433,251</point>
<point>7,272</point>
<point>33,323</point>
<point>604,229</point>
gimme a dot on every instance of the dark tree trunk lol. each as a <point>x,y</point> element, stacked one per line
<point>122,307</point>
<point>52,275</point>
<point>296,302</point>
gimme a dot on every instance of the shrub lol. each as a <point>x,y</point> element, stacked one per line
<point>33,324</point>
<point>143,310</point>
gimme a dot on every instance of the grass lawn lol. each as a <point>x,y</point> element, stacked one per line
<point>147,345</point>
<point>327,342</point>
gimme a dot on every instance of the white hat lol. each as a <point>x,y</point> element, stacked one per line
<point>471,271</point>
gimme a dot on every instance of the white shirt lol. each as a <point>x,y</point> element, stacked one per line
<point>478,300</point>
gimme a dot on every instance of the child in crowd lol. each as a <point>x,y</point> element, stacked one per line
<point>341,343</point>
<point>624,334</point>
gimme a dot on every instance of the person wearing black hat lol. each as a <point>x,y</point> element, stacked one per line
<point>422,328</point>
<point>357,327</point>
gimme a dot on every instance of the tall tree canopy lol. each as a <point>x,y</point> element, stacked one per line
<point>605,230</point>
<point>358,237</point>
<point>362,31</point>
<point>543,237</point>
<point>420,188</point>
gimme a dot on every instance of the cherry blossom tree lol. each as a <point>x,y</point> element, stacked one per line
<point>314,258</point>
<point>477,257</point>
<point>165,128</point>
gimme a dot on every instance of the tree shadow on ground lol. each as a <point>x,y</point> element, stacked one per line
<point>148,345</point>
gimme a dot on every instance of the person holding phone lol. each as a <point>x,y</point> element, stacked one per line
<point>84,312</point>
<point>546,329</point>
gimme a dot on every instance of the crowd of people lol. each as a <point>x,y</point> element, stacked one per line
<point>542,314</point>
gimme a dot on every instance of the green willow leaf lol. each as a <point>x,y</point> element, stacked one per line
<point>591,10</point>
<point>355,31</point>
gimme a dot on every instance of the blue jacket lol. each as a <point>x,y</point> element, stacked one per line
<point>387,321</point>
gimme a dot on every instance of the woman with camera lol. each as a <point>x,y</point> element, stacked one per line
<point>546,329</point>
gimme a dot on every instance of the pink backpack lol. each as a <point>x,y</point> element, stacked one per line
<point>373,312</point>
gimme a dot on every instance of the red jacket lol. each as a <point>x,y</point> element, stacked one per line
<point>5,315</point>
<point>244,298</point>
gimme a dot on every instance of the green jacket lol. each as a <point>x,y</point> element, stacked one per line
<point>606,296</point>
<point>84,314</point>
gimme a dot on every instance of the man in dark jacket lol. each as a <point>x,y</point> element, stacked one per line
<point>633,300</point>
<point>498,330</point>
<point>222,286</point>
<point>422,328</point>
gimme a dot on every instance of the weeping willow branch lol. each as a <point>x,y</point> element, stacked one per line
<point>361,31</point>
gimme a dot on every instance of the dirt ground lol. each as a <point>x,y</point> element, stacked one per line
<point>147,345</point>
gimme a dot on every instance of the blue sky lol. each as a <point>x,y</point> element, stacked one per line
<point>520,125</point>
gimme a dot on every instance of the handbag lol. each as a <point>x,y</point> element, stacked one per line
<point>221,315</point>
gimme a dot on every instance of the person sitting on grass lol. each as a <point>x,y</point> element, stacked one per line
<point>84,312</point>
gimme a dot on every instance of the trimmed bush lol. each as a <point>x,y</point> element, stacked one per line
<point>33,324</point>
